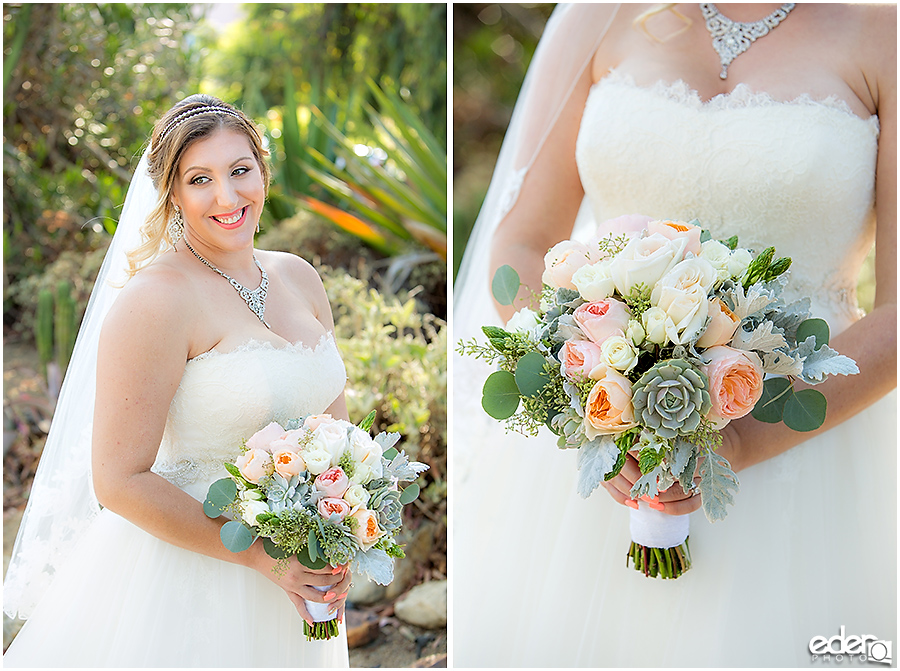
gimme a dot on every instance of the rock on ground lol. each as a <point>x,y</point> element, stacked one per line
<point>424,605</point>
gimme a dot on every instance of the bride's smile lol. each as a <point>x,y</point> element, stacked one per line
<point>220,190</point>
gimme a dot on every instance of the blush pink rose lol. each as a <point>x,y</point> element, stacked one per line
<point>678,229</point>
<point>722,325</point>
<point>254,464</point>
<point>561,262</point>
<point>288,463</point>
<point>735,382</point>
<point>608,409</point>
<point>601,319</point>
<point>331,506</point>
<point>333,482</point>
<point>578,358</point>
<point>262,439</point>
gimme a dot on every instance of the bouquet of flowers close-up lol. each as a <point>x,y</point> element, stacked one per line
<point>648,340</point>
<point>321,490</point>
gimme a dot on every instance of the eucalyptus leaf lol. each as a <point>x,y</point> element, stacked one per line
<point>530,374</point>
<point>500,396</point>
<point>505,285</point>
<point>220,495</point>
<point>805,410</point>
<point>315,564</point>
<point>235,536</point>
<point>409,494</point>
<point>814,327</point>
<point>770,406</point>
<point>273,550</point>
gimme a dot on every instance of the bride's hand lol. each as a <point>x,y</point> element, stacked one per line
<point>299,583</point>
<point>672,501</point>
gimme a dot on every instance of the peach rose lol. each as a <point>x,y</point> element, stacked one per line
<point>314,421</point>
<point>678,229</point>
<point>367,531</point>
<point>735,382</point>
<point>262,438</point>
<point>578,358</point>
<point>601,319</point>
<point>288,463</point>
<point>254,464</point>
<point>561,262</point>
<point>721,327</point>
<point>333,482</point>
<point>331,506</point>
<point>608,409</point>
<point>627,224</point>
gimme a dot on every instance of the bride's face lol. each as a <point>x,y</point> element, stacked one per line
<point>219,188</point>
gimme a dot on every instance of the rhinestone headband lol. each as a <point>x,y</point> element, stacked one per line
<point>196,111</point>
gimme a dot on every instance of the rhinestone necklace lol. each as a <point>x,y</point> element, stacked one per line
<point>732,38</point>
<point>255,298</point>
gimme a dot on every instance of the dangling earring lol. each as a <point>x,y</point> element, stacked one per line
<point>175,228</point>
<point>257,227</point>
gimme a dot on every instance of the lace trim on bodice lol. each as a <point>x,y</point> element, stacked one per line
<point>741,97</point>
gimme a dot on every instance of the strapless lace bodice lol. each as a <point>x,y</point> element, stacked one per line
<point>225,397</point>
<point>798,175</point>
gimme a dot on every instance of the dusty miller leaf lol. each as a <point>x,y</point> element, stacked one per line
<point>680,456</point>
<point>755,299</point>
<point>826,361</point>
<point>716,481</point>
<point>647,485</point>
<point>404,470</point>
<point>764,338</point>
<point>595,460</point>
<point>687,474</point>
<point>374,563</point>
<point>387,440</point>
<point>781,363</point>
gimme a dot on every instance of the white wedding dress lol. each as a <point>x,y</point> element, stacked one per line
<point>127,599</point>
<point>809,546</point>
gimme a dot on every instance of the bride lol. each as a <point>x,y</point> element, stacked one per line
<point>169,375</point>
<point>791,142</point>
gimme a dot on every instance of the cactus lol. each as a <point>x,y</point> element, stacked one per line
<point>43,328</point>
<point>64,324</point>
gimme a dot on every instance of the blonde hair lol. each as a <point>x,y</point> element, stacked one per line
<point>640,22</point>
<point>172,135</point>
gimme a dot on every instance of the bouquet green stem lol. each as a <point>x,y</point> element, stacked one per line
<point>660,562</point>
<point>321,631</point>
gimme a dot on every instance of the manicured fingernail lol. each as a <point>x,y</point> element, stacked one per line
<point>631,504</point>
<point>657,506</point>
<point>337,569</point>
<point>329,596</point>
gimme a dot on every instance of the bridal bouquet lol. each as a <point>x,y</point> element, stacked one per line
<point>320,489</point>
<point>648,341</point>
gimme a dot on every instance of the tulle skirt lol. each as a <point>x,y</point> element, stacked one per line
<point>540,577</point>
<point>128,599</point>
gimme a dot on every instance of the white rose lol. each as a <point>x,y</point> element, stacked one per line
<point>251,495</point>
<point>718,255</point>
<point>563,259</point>
<point>635,332</point>
<point>362,473</point>
<point>645,260</point>
<point>524,321</point>
<point>594,282</point>
<point>318,460</point>
<point>655,325</point>
<point>333,438</point>
<point>356,495</point>
<point>250,509</point>
<point>366,451</point>
<point>738,262</point>
<point>686,311</point>
<point>618,352</point>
